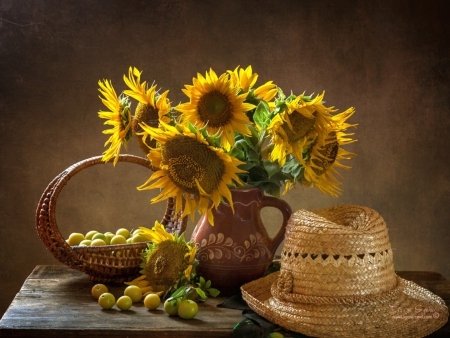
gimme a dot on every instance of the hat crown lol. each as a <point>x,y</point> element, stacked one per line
<point>336,252</point>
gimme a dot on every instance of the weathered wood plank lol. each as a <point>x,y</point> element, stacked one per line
<point>55,301</point>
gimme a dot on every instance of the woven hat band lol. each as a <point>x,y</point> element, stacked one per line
<point>340,277</point>
<point>355,299</point>
<point>350,243</point>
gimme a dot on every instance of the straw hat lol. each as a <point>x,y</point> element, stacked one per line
<point>337,279</point>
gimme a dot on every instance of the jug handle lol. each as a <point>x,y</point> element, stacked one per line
<point>285,208</point>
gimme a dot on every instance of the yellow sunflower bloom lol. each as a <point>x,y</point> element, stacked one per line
<point>118,116</point>
<point>167,261</point>
<point>151,107</point>
<point>157,234</point>
<point>190,257</point>
<point>142,283</point>
<point>191,169</point>
<point>215,102</point>
<point>245,79</point>
<point>326,153</point>
<point>296,127</point>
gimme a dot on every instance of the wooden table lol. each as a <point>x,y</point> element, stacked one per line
<point>56,301</point>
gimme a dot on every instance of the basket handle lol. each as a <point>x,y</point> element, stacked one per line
<point>47,226</point>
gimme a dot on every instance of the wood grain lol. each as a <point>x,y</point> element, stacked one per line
<point>55,301</point>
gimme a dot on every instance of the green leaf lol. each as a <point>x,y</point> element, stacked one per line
<point>271,167</point>
<point>280,93</point>
<point>257,174</point>
<point>213,292</point>
<point>280,176</point>
<point>201,293</point>
<point>247,166</point>
<point>262,115</point>
<point>253,155</point>
<point>294,168</point>
<point>291,98</point>
<point>272,188</point>
<point>192,128</point>
<point>252,140</point>
<point>238,153</point>
<point>281,106</point>
<point>242,143</point>
<point>208,284</point>
<point>178,292</point>
<point>254,131</point>
<point>248,141</point>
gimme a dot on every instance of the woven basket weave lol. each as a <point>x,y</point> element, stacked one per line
<point>103,264</point>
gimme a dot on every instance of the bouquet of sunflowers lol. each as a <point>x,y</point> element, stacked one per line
<point>231,133</point>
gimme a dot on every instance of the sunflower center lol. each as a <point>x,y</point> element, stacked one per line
<point>301,125</point>
<point>147,114</point>
<point>328,155</point>
<point>161,273</point>
<point>215,108</point>
<point>189,161</point>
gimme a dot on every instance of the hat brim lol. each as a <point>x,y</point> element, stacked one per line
<point>412,311</point>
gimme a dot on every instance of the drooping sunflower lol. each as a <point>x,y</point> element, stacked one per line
<point>191,169</point>
<point>297,127</point>
<point>167,260</point>
<point>216,104</point>
<point>118,116</point>
<point>245,79</point>
<point>151,108</point>
<point>326,153</point>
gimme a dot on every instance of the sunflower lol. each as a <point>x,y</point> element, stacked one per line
<point>296,127</point>
<point>216,104</point>
<point>118,116</point>
<point>245,79</point>
<point>326,153</point>
<point>191,169</point>
<point>151,107</point>
<point>167,260</point>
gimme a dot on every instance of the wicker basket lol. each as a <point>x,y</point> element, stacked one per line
<point>103,264</point>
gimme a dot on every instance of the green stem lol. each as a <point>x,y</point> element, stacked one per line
<point>266,150</point>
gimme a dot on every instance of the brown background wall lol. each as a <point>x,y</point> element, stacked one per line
<point>389,59</point>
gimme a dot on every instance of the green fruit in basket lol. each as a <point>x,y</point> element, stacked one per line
<point>118,239</point>
<point>102,237</point>
<point>75,238</point>
<point>109,235</point>
<point>138,239</point>
<point>86,242</point>
<point>98,242</point>
<point>129,240</point>
<point>124,303</point>
<point>135,232</point>
<point>90,234</point>
<point>124,232</point>
<point>106,300</point>
<point>98,289</point>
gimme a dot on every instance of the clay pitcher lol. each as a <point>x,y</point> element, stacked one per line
<point>237,249</point>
